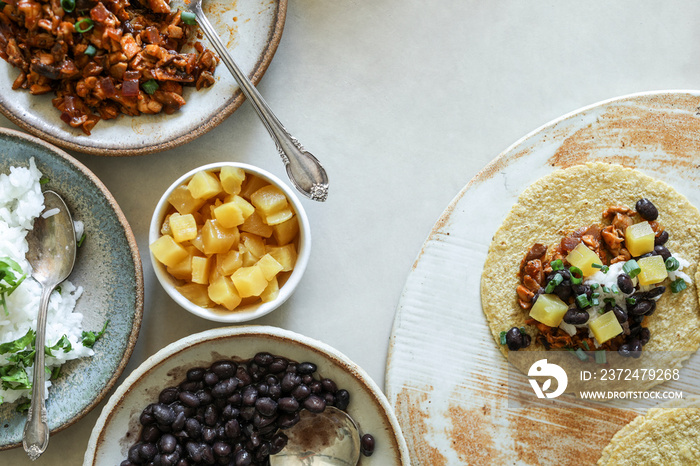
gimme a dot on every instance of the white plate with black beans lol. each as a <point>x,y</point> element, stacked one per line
<point>446,379</point>
<point>163,380</point>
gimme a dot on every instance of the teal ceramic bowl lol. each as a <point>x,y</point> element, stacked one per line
<point>108,267</point>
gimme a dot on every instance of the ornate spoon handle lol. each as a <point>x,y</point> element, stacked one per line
<point>304,170</point>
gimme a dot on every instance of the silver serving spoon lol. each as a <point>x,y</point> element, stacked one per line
<point>303,169</point>
<point>330,438</point>
<point>51,254</point>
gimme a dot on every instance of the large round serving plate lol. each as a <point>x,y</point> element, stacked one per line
<point>107,266</point>
<point>118,426</point>
<point>446,379</point>
<point>251,32</point>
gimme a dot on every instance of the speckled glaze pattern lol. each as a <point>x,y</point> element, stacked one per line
<point>108,267</point>
<point>251,31</point>
<point>118,424</point>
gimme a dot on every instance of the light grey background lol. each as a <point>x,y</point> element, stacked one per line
<point>404,101</point>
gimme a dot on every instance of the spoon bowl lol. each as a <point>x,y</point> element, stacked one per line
<point>329,438</point>
<point>52,247</point>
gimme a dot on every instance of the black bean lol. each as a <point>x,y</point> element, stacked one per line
<point>624,282</point>
<point>209,434</point>
<point>582,289</point>
<point>342,399</point>
<point>620,313</point>
<point>575,316</point>
<point>640,308</point>
<point>170,459</point>
<point>315,404</point>
<point>146,417</point>
<point>189,399</point>
<point>301,391</point>
<point>211,379</point>
<point>225,388</point>
<point>232,429</point>
<point>263,389</point>
<point>150,433</point>
<point>190,386</point>
<point>229,412</point>
<point>179,421</point>
<point>285,421</point>
<point>133,454</point>
<point>263,359</point>
<point>649,254</point>
<point>514,340</point>
<point>275,391</point>
<point>266,406</point>
<point>211,415</point>
<point>196,374</point>
<point>167,443</point>
<point>194,450</point>
<point>247,412</point>
<point>563,290</point>
<point>316,387</point>
<point>290,381</point>
<point>147,451</point>
<point>163,414</point>
<point>222,449</point>
<point>288,404</point>
<point>306,368</point>
<point>646,209</point>
<point>662,251</point>
<point>243,458</point>
<point>169,395</point>
<point>654,292</point>
<point>644,336</point>
<point>661,238</point>
<point>235,399</point>
<point>367,445</point>
<point>193,428</point>
<point>243,376</point>
<point>278,365</point>
<point>624,350</point>
<point>224,369</point>
<point>635,348</point>
<point>250,394</point>
<point>277,443</point>
<point>126,463</point>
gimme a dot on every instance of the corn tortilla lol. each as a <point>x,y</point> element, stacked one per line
<point>567,199</point>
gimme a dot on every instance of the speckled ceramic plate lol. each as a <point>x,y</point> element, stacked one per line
<point>107,266</point>
<point>251,32</point>
<point>118,425</point>
<point>446,379</point>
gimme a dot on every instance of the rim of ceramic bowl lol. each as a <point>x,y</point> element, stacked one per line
<point>258,72</point>
<point>139,285</point>
<point>173,349</point>
<point>253,311</point>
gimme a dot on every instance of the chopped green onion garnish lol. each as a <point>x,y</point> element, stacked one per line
<point>614,288</point>
<point>631,268</point>
<point>678,285</point>
<point>68,5</point>
<point>594,286</point>
<point>43,180</point>
<point>188,17</point>
<point>503,337</point>
<point>557,264</point>
<point>580,354</point>
<point>84,25</point>
<point>601,311</point>
<point>81,240</point>
<point>595,295</point>
<point>605,289</point>
<point>582,301</point>
<point>585,345</point>
<point>672,264</point>
<point>90,50</point>
<point>600,357</point>
<point>609,300</point>
<point>576,275</point>
<point>595,302</point>
<point>150,86</point>
<point>631,301</point>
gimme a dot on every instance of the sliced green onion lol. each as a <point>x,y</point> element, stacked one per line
<point>614,288</point>
<point>582,301</point>
<point>576,275</point>
<point>609,300</point>
<point>595,302</point>
<point>580,354</point>
<point>84,25</point>
<point>150,86</point>
<point>595,295</point>
<point>503,337</point>
<point>585,345</point>
<point>81,240</point>
<point>188,17</point>
<point>631,268</point>
<point>43,180</point>
<point>600,357</point>
<point>594,286</point>
<point>68,5</point>
<point>601,311</point>
<point>631,301</point>
<point>605,289</point>
<point>557,264</point>
<point>90,50</point>
<point>672,264</point>
<point>678,285</point>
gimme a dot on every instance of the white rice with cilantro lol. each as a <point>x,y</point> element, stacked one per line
<point>21,201</point>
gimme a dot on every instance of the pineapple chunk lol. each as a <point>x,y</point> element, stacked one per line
<point>253,243</point>
<point>583,258</point>
<point>167,251</point>
<point>217,239</point>
<point>227,263</point>
<point>249,281</point>
<point>269,266</point>
<point>246,207</point>
<point>231,179</point>
<point>182,200</point>
<point>285,232</point>
<point>200,269</point>
<point>279,217</point>
<point>254,224</point>
<point>222,291</point>
<point>268,200</point>
<point>549,310</point>
<point>204,185</point>
<point>270,292</point>
<point>197,242</point>
<point>251,184</point>
<point>286,255</point>
<point>653,270</point>
<point>229,215</point>
<point>197,294</point>
<point>183,227</point>
<point>183,269</point>
<point>639,239</point>
<point>165,227</point>
<point>605,327</point>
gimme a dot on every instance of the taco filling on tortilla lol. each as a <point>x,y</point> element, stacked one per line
<point>595,288</point>
<point>595,258</point>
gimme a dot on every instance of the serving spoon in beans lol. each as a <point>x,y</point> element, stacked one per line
<point>304,170</point>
